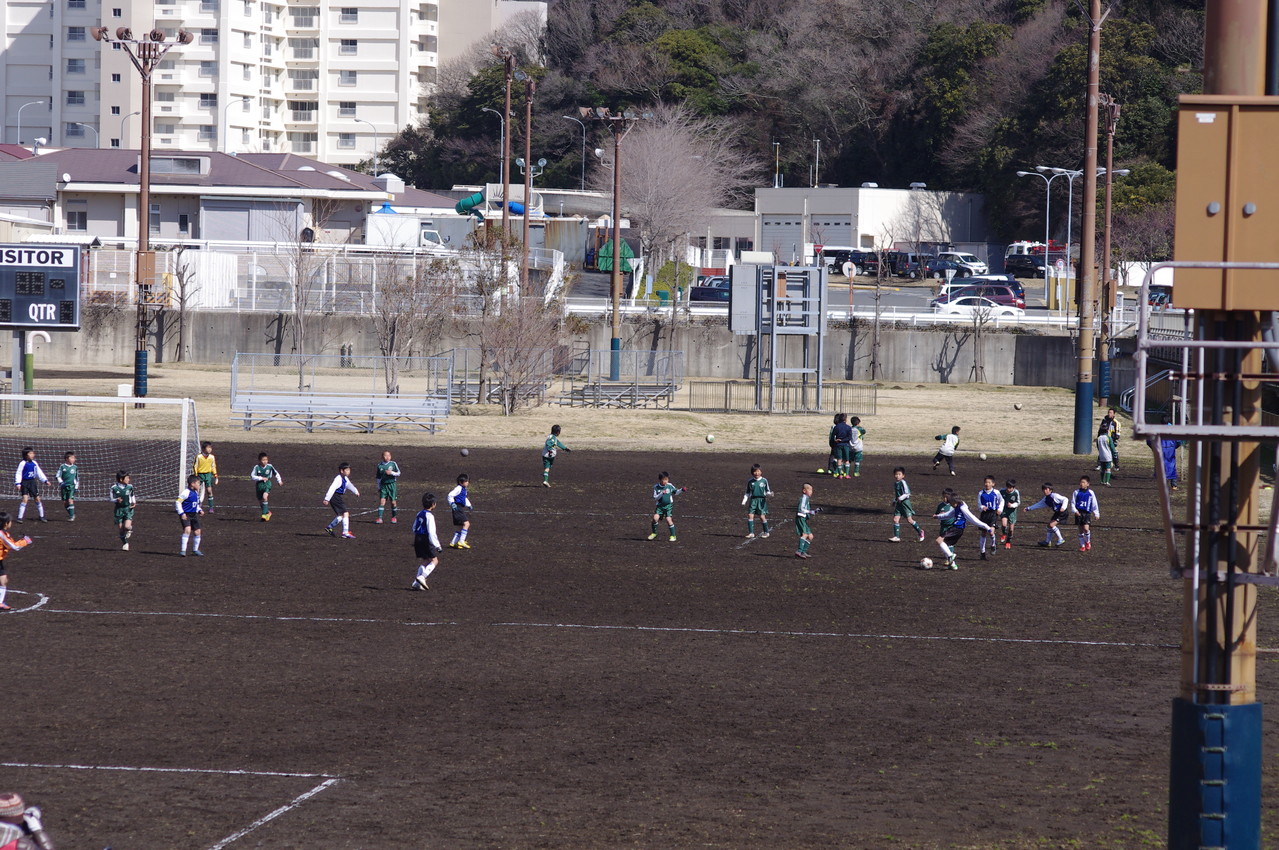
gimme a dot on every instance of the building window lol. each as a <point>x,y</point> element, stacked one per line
<point>208,101</point>
<point>166,129</point>
<point>347,78</point>
<point>75,34</point>
<point>208,132</point>
<point>266,48</point>
<point>246,137</point>
<point>115,110</point>
<point>75,130</point>
<point>75,4</point>
<point>184,224</point>
<point>153,224</point>
<point>304,17</point>
<point>349,15</point>
<point>346,108</point>
<point>75,66</point>
<point>248,8</point>
<point>304,48</point>
<point>165,97</point>
<point>208,69</point>
<point>115,78</point>
<point>248,73</point>
<point>115,143</point>
<point>78,220</point>
<point>304,80</point>
<point>349,47</point>
<point>75,98</point>
<point>209,6</point>
<point>346,141</point>
<point>248,40</point>
<point>208,35</point>
<point>303,142</point>
<point>115,13</point>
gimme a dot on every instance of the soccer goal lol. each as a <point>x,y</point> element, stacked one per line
<point>155,444</point>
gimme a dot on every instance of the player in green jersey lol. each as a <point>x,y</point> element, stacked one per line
<point>803,511</point>
<point>388,475</point>
<point>664,504</point>
<point>756,501</point>
<point>549,449</point>
<point>902,507</point>
<point>1008,519</point>
<point>69,483</point>
<point>124,498</point>
<point>264,476</point>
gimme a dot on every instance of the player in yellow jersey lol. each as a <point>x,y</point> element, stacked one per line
<point>206,466</point>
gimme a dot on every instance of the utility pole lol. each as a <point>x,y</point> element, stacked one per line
<point>1107,284</point>
<point>508,68</point>
<point>530,88</point>
<point>1088,243</point>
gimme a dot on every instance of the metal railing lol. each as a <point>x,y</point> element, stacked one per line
<point>739,397</point>
<point>33,414</point>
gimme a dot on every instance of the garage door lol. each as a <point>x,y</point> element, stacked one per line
<point>831,229</point>
<point>783,235</point>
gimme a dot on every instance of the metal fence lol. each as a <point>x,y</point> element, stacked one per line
<point>739,397</point>
<point>33,414</point>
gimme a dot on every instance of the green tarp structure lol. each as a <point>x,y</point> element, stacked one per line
<point>604,260</point>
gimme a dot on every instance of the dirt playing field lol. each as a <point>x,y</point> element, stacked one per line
<point>568,684</point>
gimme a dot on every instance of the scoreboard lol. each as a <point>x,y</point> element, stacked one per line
<point>40,286</point>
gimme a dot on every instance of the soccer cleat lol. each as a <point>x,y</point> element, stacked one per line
<point>266,517</point>
<point>346,535</point>
<point>951,564</point>
<point>394,520</point>
<point>1003,538</point>
<point>42,519</point>
<point>377,521</point>
<point>750,536</point>
<point>209,512</point>
<point>546,484</point>
<point>197,553</point>
<point>125,547</point>
<point>418,584</point>
<point>921,537</point>
<point>452,545</point>
<point>182,554</point>
<point>1043,543</point>
<point>894,539</point>
<point>952,472</point>
<point>1083,547</point>
<point>1088,546</point>
<point>1008,545</point>
<point>71,519</point>
<point>764,535</point>
<point>653,536</point>
<point>462,544</point>
<point>983,556</point>
<point>672,538</point>
<point>1057,543</point>
<point>4,607</point>
<point>20,520</point>
<point>328,529</point>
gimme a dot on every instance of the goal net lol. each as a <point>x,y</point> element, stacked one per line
<point>155,444</point>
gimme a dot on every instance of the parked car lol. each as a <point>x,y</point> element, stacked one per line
<point>984,280</point>
<point>936,268</point>
<point>999,293</point>
<point>968,261</point>
<point>715,289</point>
<point>1024,265</point>
<point>972,305</point>
<point>906,263</point>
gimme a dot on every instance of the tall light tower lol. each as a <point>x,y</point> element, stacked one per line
<point>145,55</point>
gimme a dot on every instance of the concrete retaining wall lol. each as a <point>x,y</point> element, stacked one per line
<point>906,355</point>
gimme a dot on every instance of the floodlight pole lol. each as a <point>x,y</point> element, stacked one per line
<point>1107,285</point>
<point>508,69</point>
<point>530,88</point>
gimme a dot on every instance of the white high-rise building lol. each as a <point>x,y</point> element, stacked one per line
<point>329,80</point>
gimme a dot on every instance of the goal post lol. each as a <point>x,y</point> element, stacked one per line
<point>157,446</point>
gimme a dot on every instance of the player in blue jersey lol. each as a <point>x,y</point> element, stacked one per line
<point>426,545</point>
<point>990,502</point>
<point>955,519</point>
<point>189,512</point>
<point>460,505</point>
<point>1060,507</point>
<point>28,479</point>
<point>335,498</point>
<point>1083,504</point>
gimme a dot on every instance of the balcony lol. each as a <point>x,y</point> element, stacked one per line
<point>303,116</point>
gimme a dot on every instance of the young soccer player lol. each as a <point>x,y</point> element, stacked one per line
<point>946,451</point>
<point>1008,519</point>
<point>335,498</point>
<point>841,444</point>
<point>388,474</point>
<point>1111,421</point>
<point>1060,507</point>
<point>124,498</point>
<point>803,511</point>
<point>1105,453</point>
<point>756,500</point>
<point>265,476</point>
<point>902,508</point>
<point>69,483</point>
<point>959,517</point>
<point>426,545</point>
<point>206,466</point>
<point>991,504</point>
<point>1083,504</point>
<point>460,503</point>
<point>7,544</point>
<point>28,479</point>
<point>857,446</point>
<point>188,507</point>
<point>549,449</point>
<point>664,504</point>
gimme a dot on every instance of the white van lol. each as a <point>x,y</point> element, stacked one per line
<point>965,260</point>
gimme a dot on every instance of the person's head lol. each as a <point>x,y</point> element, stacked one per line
<point>28,453</point>
<point>1010,483</point>
<point>386,455</point>
<point>757,471</point>
<point>464,479</point>
<point>122,476</point>
<point>555,430</point>
<point>841,417</point>
<point>808,489</point>
<point>428,501</point>
<point>1111,412</point>
<point>955,430</point>
<point>989,483</point>
<point>955,499</point>
<point>193,481</point>
<point>263,459</point>
<point>1084,482</point>
<point>1102,430</point>
<point>663,478</point>
<point>344,468</point>
<point>12,806</point>
<point>856,420</point>
<point>1046,487</point>
<point>947,494</point>
<point>5,520</point>
<point>207,448</point>
<point>899,472</point>
<point>69,457</point>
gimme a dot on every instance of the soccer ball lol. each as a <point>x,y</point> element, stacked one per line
<point>982,455</point>
<point>1017,406</point>
<point>710,438</point>
<point>926,563</point>
<point>466,452</point>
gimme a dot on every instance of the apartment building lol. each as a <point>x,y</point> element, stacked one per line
<point>330,80</point>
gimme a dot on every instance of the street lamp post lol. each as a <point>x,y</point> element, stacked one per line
<point>123,122</point>
<point>1048,202</point>
<point>145,54</point>
<point>508,68</point>
<point>226,122</point>
<point>20,108</point>
<point>97,137</point>
<point>583,181</point>
<point>376,142</point>
<point>619,124</point>
<point>501,143</point>
<point>1070,207</point>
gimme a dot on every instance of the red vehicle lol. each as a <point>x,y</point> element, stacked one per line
<point>1000,293</point>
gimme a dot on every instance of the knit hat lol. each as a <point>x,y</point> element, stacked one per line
<point>11,805</point>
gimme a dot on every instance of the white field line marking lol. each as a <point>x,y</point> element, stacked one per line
<point>43,600</point>
<point>766,633</point>
<point>292,804</point>
<point>244,617</point>
<point>169,770</point>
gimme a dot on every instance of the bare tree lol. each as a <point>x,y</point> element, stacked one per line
<point>413,301</point>
<point>491,277</point>
<point>308,272</point>
<point>182,292</point>
<point>980,319</point>
<point>522,341</point>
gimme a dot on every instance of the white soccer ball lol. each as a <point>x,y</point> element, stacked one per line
<point>926,563</point>
<point>982,455</point>
<point>710,438</point>
<point>1017,405</point>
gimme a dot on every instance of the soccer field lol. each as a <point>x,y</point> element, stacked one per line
<point>567,683</point>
